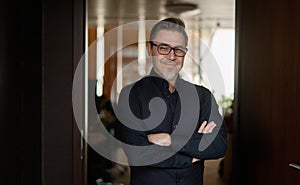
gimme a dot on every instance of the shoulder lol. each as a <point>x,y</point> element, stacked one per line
<point>202,91</point>
<point>144,82</point>
<point>137,87</point>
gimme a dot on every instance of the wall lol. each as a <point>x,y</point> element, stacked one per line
<point>267,92</point>
<point>63,47</point>
<point>41,44</point>
<point>21,87</point>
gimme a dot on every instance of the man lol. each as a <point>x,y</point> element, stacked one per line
<point>169,126</point>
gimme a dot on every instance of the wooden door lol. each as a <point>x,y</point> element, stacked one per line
<point>267,92</point>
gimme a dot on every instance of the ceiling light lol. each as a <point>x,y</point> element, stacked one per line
<point>178,7</point>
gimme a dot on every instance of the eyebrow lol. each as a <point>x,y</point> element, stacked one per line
<point>176,46</point>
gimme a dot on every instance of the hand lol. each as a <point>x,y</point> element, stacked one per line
<point>161,139</point>
<point>204,129</point>
<point>195,160</point>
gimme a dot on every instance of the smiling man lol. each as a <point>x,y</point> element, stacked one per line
<point>166,141</point>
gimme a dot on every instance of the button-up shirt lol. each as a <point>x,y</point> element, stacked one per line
<point>148,107</point>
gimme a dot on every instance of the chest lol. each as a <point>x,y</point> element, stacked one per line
<point>163,112</point>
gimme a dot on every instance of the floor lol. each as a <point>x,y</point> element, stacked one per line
<point>211,174</point>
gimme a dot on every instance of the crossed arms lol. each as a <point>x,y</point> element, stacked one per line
<point>164,139</point>
<point>211,132</point>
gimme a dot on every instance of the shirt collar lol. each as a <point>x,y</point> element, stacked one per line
<point>161,82</point>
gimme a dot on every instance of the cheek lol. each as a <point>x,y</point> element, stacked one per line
<point>181,61</point>
<point>157,60</point>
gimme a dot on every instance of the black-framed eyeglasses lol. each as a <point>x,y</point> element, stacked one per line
<point>165,49</point>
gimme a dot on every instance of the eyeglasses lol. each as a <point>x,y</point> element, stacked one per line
<point>165,49</point>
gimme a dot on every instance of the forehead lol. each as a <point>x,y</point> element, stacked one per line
<point>173,38</point>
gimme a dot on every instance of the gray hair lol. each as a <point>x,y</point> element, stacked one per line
<point>170,24</point>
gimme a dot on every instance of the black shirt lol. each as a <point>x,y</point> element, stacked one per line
<point>148,107</point>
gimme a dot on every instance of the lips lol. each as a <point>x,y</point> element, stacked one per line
<point>169,63</point>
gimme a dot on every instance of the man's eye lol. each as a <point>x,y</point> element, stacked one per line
<point>164,47</point>
<point>179,50</point>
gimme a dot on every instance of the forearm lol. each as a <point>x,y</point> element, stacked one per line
<point>140,152</point>
<point>156,156</point>
<point>205,146</point>
<point>208,145</point>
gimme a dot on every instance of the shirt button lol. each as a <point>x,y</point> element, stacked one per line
<point>174,127</point>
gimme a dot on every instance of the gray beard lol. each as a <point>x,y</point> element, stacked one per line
<point>169,76</point>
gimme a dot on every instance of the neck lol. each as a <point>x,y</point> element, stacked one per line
<point>172,81</point>
<point>171,87</point>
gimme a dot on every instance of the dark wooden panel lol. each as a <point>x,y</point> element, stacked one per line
<point>267,87</point>
<point>10,104</point>
<point>31,84</point>
<point>24,63</point>
<point>62,22</point>
<point>21,83</point>
<point>79,27</point>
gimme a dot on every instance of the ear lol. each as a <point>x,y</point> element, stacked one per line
<point>149,49</point>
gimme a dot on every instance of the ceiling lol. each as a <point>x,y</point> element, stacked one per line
<point>112,13</point>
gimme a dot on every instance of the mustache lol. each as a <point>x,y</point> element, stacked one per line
<point>165,61</point>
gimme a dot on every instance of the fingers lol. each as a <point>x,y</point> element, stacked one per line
<point>207,128</point>
<point>151,138</point>
<point>195,160</point>
<point>201,129</point>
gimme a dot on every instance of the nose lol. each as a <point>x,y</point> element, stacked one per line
<point>172,55</point>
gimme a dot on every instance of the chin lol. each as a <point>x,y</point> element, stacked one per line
<point>169,76</point>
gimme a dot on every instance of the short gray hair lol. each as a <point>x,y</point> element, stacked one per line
<point>170,24</point>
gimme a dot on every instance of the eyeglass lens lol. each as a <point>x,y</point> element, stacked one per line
<point>165,49</point>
